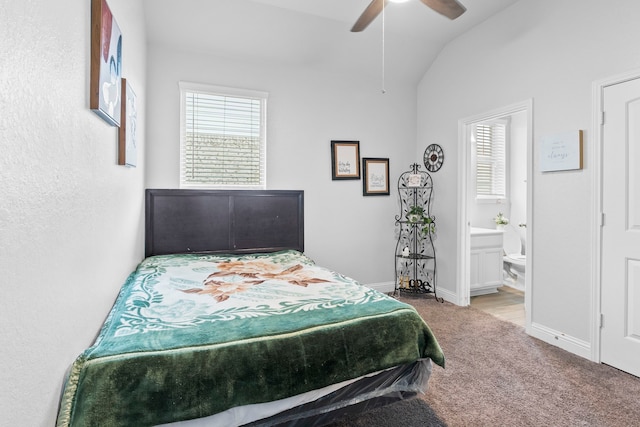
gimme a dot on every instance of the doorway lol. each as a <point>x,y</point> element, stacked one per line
<point>469,215</point>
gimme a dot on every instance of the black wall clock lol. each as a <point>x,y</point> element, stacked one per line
<point>433,157</point>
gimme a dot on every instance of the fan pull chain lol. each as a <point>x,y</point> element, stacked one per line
<point>383,61</point>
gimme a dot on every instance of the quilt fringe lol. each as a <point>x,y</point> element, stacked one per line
<point>68,396</point>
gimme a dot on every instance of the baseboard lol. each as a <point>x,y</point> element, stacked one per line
<point>448,296</point>
<point>559,339</point>
<point>384,287</point>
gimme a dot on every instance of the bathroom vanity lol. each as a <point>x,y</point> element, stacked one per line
<point>485,260</point>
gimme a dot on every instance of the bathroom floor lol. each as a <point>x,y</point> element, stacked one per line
<point>507,304</point>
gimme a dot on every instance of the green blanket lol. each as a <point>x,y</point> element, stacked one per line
<point>193,335</point>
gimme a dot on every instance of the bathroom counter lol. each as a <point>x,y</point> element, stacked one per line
<point>485,260</point>
<point>477,231</point>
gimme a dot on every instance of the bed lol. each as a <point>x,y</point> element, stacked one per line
<point>226,322</point>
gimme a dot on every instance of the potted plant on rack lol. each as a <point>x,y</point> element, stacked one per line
<point>417,215</point>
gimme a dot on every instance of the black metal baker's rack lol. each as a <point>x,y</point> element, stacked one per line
<point>415,256</point>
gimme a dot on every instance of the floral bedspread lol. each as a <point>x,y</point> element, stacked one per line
<point>192,335</point>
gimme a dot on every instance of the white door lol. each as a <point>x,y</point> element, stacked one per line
<point>620,300</point>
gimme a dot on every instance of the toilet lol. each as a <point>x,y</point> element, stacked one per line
<point>514,261</point>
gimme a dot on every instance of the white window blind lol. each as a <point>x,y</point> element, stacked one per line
<point>491,141</point>
<point>223,141</point>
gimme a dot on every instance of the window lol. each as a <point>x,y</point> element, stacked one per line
<point>491,159</point>
<point>222,137</point>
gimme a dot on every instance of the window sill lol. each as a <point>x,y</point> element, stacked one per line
<point>491,201</point>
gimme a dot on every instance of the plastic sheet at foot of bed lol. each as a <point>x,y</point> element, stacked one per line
<point>321,407</point>
<point>365,394</point>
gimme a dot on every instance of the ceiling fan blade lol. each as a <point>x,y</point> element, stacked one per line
<point>369,14</point>
<point>449,8</point>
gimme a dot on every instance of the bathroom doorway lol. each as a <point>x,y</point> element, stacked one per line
<point>479,208</point>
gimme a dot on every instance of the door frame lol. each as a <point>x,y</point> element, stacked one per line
<point>597,121</point>
<point>463,239</point>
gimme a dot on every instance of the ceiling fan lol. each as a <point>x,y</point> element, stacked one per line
<point>449,8</point>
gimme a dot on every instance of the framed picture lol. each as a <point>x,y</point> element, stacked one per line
<point>414,180</point>
<point>561,151</point>
<point>345,160</point>
<point>106,64</point>
<point>376,177</point>
<point>127,152</point>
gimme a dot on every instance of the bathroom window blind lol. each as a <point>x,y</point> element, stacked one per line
<point>491,140</point>
<point>223,141</point>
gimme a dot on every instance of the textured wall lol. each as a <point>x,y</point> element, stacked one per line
<point>70,218</point>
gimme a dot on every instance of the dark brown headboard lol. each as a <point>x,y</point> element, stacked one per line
<point>219,221</point>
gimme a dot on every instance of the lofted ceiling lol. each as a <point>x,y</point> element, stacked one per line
<point>314,33</point>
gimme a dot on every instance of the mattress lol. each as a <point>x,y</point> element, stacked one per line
<point>193,335</point>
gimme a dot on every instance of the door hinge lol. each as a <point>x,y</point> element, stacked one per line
<point>602,219</point>
<point>602,117</point>
<point>601,320</point>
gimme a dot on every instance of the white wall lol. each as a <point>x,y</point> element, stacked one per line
<point>307,108</point>
<point>70,218</point>
<point>551,51</point>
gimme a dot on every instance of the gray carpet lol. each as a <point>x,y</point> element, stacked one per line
<point>497,375</point>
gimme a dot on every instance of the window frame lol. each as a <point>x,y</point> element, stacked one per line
<point>493,198</point>
<point>261,96</point>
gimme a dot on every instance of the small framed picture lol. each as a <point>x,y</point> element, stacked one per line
<point>414,180</point>
<point>345,160</point>
<point>106,63</point>
<point>376,177</point>
<point>127,154</point>
<point>561,151</point>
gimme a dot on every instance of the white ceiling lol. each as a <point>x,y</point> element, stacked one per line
<point>314,33</point>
